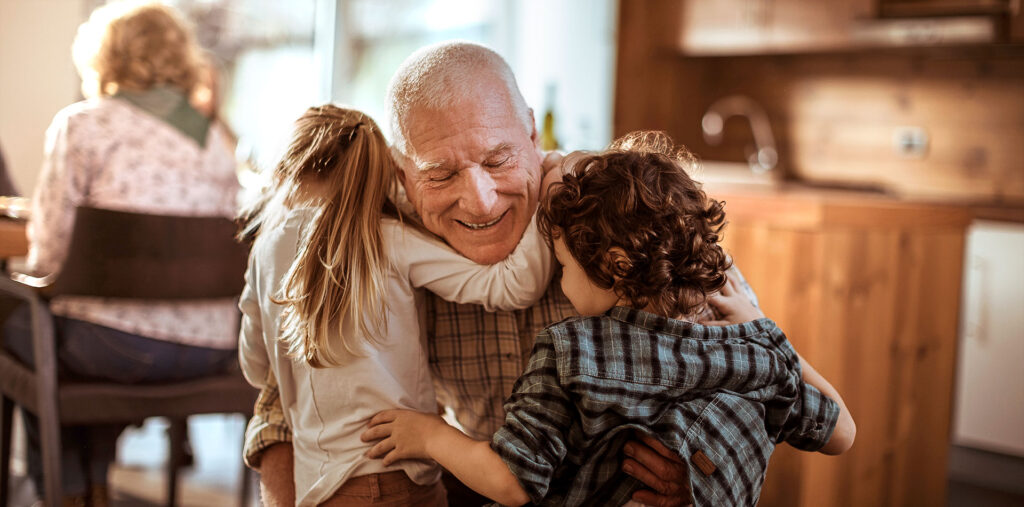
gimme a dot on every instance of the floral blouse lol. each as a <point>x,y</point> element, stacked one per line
<point>107,153</point>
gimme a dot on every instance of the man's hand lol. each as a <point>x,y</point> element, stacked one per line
<point>403,434</point>
<point>662,470</point>
<point>733,306</point>
<point>277,486</point>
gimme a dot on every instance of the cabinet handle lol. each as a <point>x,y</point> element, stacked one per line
<point>978,309</point>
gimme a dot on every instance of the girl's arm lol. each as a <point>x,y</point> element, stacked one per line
<point>252,350</point>
<point>736,307</point>
<point>846,429</point>
<point>516,282</point>
<point>415,435</point>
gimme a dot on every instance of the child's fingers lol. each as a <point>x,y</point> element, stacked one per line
<point>382,448</point>
<point>376,433</point>
<point>391,458</point>
<point>729,288</point>
<point>719,303</point>
<point>551,161</point>
<point>384,416</point>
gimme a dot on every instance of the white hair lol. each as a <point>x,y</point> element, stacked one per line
<point>439,77</point>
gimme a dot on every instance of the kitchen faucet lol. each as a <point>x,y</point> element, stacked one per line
<point>763,157</point>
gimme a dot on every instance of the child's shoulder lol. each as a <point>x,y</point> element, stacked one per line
<point>577,326</point>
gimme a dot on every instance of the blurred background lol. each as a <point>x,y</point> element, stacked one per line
<point>870,152</point>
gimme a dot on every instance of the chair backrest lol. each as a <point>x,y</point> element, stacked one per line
<point>119,254</point>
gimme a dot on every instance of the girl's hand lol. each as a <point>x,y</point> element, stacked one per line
<point>555,165</point>
<point>733,305</point>
<point>403,434</point>
<point>552,160</point>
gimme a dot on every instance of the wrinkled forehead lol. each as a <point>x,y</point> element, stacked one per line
<point>468,131</point>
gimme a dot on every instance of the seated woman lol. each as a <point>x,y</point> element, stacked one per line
<point>136,144</point>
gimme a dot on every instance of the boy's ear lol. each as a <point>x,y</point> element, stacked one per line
<point>620,262</point>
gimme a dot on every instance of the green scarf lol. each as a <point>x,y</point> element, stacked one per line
<point>171,106</point>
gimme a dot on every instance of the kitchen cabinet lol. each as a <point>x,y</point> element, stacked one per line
<point>907,8</point>
<point>745,27</point>
<point>989,411</point>
<point>867,288</point>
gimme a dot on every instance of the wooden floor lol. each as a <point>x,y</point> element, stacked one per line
<point>138,478</point>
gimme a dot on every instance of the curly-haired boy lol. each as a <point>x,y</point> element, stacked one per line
<point>638,242</point>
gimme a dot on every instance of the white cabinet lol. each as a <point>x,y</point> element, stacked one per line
<point>989,410</point>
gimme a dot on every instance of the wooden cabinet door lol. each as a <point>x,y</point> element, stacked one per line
<point>874,309</point>
<point>723,26</point>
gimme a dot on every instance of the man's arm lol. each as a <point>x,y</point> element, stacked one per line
<point>277,487</point>
<point>660,469</point>
<point>268,447</point>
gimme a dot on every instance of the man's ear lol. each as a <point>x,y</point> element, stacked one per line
<point>534,136</point>
<point>401,163</point>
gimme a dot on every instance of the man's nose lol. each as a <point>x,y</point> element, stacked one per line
<point>481,193</point>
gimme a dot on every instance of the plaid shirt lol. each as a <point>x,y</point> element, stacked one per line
<point>722,397</point>
<point>475,357</point>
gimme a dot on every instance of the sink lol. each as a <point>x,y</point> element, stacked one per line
<point>718,174</point>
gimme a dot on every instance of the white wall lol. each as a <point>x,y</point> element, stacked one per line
<point>571,44</point>
<point>37,78</point>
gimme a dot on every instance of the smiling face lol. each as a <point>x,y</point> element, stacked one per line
<point>474,173</point>
<point>585,296</point>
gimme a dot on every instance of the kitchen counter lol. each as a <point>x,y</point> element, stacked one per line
<point>867,288</point>
<point>803,206</point>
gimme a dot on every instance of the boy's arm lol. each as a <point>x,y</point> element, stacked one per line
<point>516,282</point>
<point>846,429</point>
<point>416,435</point>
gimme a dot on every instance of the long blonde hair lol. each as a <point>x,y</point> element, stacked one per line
<point>338,275</point>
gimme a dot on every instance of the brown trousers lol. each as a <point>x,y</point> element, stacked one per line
<point>389,489</point>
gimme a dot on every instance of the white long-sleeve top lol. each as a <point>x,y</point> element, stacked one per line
<point>107,153</point>
<point>328,408</point>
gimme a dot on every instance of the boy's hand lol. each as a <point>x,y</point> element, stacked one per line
<point>660,469</point>
<point>733,305</point>
<point>405,434</point>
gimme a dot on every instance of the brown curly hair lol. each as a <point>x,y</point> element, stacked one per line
<point>639,225</point>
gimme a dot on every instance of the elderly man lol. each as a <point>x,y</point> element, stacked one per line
<point>471,169</point>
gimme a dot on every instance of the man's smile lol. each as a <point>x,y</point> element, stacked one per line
<point>484,225</point>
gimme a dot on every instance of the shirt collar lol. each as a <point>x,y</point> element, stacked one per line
<point>661,324</point>
<point>170,105</point>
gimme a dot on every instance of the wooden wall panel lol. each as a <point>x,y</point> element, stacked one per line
<point>835,115</point>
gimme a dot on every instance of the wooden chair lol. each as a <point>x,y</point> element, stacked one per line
<point>123,255</point>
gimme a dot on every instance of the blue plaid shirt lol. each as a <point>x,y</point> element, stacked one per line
<point>721,397</point>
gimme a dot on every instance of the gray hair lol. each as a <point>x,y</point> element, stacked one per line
<point>440,76</point>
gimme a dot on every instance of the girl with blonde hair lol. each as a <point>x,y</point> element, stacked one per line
<point>332,308</point>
